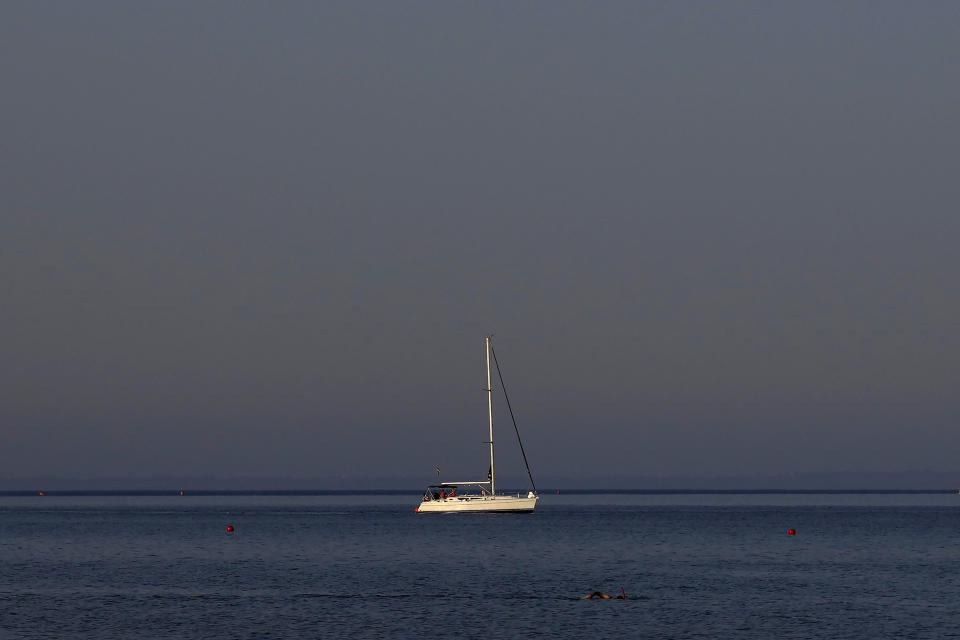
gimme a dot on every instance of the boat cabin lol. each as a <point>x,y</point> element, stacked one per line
<point>448,490</point>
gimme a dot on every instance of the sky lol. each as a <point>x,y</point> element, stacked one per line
<point>267,239</point>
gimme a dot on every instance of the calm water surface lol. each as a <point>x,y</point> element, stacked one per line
<point>692,566</point>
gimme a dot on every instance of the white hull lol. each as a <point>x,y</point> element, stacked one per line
<point>463,504</point>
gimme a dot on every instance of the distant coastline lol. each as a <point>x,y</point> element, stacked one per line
<point>798,483</point>
<point>186,493</point>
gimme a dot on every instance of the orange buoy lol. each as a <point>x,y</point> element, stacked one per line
<point>791,532</point>
<point>229,528</point>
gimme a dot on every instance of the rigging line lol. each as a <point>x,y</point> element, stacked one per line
<point>507,398</point>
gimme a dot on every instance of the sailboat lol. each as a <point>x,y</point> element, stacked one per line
<point>481,495</point>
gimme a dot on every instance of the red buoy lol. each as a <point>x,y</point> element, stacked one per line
<point>229,528</point>
<point>791,532</point>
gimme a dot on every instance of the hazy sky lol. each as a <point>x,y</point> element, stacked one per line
<point>268,238</point>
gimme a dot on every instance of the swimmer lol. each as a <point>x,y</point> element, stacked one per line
<point>603,596</point>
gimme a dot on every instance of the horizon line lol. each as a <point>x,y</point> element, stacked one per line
<point>185,492</point>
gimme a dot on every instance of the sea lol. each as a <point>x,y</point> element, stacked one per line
<point>690,565</point>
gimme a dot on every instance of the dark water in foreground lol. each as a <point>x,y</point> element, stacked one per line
<point>714,566</point>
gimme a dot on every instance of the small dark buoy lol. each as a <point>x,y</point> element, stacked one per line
<point>791,532</point>
<point>229,528</point>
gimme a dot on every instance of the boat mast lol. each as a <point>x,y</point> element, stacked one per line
<point>493,487</point>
